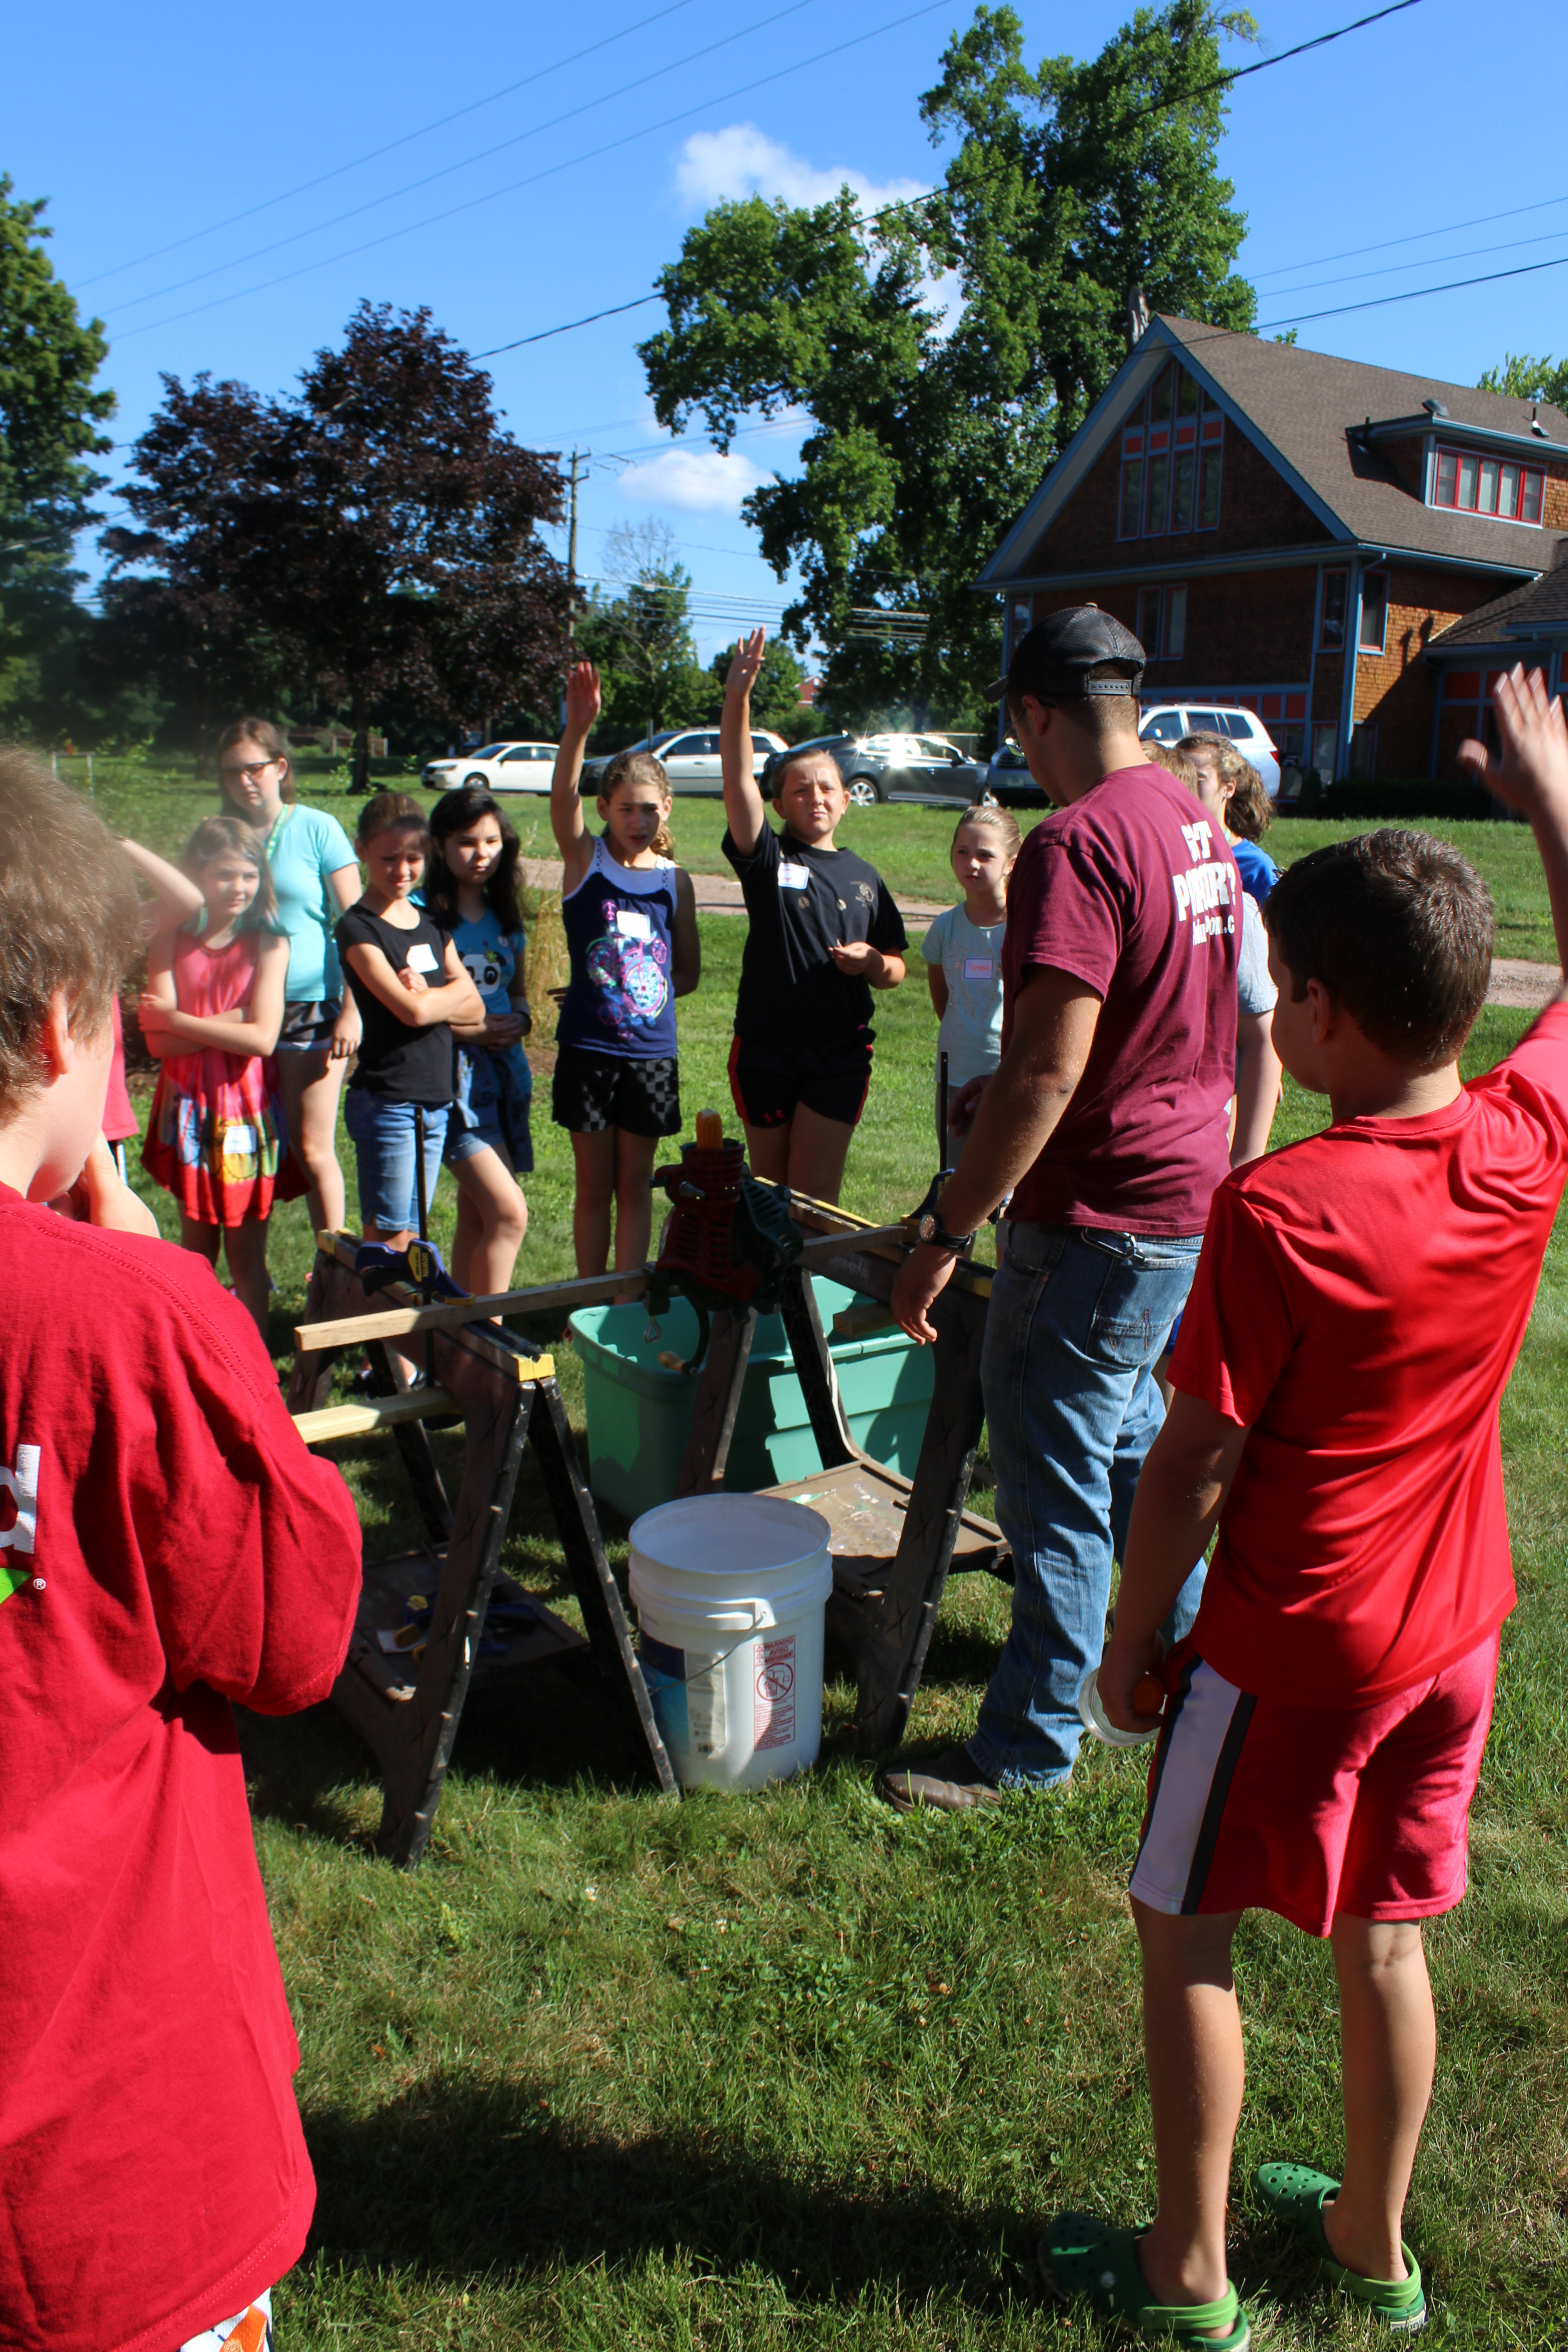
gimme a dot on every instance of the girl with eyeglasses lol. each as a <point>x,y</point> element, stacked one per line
<point>315,878</point>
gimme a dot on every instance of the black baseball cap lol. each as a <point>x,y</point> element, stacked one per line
<point>1054,656</point>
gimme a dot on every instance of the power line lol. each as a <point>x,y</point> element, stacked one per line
<point>1224,80</point>
<point>544,334</point>
<point>644,131</point>
<point>1418,236</point>
<point>1415,293</point>
<point>1428,262</point>
<point>465,163</point>
<point>390,146</point>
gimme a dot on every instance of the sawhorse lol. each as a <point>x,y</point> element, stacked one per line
<point>408,1712</point>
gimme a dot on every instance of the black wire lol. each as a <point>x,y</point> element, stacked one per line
<point>1379,301</point>
<point>1224,80</point>
<point>571,324</point>
<point>391,147</point>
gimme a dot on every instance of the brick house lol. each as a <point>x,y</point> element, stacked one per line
<point>1349,550</point>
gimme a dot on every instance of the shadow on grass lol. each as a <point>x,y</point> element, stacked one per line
<point>467,2180</point>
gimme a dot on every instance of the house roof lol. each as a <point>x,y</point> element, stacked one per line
<point>1304,409</point>
<point>1537,611</point>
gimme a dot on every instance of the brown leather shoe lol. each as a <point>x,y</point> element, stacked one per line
<point>951,1781</point>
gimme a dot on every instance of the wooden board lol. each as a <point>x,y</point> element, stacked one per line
<point>376,1413</point>
<point>866,1505</point>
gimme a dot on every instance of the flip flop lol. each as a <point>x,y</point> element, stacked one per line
<point>1079,2255</point>
<point>1296,2193</point>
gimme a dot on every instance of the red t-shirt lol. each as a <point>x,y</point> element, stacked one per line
<point>166,1545</point>
<point>1131,891</point>
<point>1358,1306</point>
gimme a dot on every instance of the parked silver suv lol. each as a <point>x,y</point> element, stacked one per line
<point>1167,722</point>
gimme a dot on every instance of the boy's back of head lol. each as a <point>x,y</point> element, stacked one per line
<point>69,917</point>
<point>1398,927</point>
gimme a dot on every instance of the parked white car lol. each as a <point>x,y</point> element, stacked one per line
<point>691,758</point>
<point>1167,722</point>
<point>499,768</point>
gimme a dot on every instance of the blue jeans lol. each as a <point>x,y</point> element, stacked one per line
<point>1077,1319</point>
<point>385,1156</point>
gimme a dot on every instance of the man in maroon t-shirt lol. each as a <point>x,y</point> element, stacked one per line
<point>1106,1123</point>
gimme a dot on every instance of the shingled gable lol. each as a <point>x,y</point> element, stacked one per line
<point>1267,521</point>
<point>1306,413</point>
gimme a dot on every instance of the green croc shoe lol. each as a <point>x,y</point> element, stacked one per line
<point>1296,2193</point>
<point>1079,2255</point>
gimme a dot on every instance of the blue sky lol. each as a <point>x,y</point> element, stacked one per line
<point>149,129</point>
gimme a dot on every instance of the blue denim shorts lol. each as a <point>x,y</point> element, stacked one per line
<point>383,1136</point>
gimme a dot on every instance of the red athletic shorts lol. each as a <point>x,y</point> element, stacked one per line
<point>1257,1805</point>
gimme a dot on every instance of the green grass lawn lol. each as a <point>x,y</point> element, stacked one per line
<point>788,2069</point>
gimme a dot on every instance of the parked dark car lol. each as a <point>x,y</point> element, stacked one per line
<point>1009,779</point>
<point>902,768</point>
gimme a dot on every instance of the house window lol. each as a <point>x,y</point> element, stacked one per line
<point>1175,637</point>
<point>1332,624</point>
<point>1363,750</point>
<point>1171,448</point>
<point>1020,621</point>
<point>1374,627</point>
<point>1149,621</point>
<point>1488,485</point>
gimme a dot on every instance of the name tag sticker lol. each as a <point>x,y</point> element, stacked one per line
<point>238,1142</point>
<point>794,878</point>
<point>633,925</point>
<point>979,967</point>
<point>421,957</point>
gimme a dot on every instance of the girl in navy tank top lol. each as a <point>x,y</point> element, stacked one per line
<point>630,918</point>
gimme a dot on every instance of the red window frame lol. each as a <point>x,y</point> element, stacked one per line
<point>1530,484</point>
<point>1171,463</point>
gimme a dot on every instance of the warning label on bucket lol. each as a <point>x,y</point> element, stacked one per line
<point>772,1711</point>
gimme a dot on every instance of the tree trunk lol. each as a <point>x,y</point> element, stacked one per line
<point>359,719</point>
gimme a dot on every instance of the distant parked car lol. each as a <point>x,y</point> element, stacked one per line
<point>499,768</point>
<point>1007,779</point>
<point>1167,722</point>
<point>902,768</point>
<point>690,757</point>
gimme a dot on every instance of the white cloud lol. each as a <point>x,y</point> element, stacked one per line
<point>700,480</point>
<point>741,161</point>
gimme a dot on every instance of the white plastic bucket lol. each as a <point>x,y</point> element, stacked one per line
<point>730,1591</point>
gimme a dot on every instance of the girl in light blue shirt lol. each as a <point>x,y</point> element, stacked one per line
<point>963,950</point>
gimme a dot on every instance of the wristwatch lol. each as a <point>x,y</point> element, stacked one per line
<point>930,1230</point>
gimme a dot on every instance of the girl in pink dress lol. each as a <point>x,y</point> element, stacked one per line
<point>212,1010</point>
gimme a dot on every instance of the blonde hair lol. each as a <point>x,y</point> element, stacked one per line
<point>641,768</point>
<point>69,917</point>
<point>992,814</point>
<point>1248,812</point>
<point>219,836</point>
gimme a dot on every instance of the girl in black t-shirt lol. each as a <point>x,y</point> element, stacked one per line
<point>410,987</point>
<point>824,931</point>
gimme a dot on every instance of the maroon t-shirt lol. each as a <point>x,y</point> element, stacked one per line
<point>1134,892</point>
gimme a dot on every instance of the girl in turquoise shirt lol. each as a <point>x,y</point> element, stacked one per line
<point>315,877</point>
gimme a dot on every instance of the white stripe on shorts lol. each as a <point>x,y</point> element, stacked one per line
<point>1188,1799</point>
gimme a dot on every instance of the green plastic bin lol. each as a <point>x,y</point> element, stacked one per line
<point>639,1413</point>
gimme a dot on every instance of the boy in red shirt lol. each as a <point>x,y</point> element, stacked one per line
<point>167,1545</point>
<point>1357,1310</point>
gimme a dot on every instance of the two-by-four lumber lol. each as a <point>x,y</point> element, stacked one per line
<point>377,1412</point>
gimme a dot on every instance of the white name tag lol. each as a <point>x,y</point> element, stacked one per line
<point>794,878</point>
<point>420,957</point>
<point>632,925</point>
<point>979,967</point>
<point>238,1142</point>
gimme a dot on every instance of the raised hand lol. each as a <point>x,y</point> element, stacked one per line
<point>1533,773</point>
<point>746,661</point>
<point>583,696</point>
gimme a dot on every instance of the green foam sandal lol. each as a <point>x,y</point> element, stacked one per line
<point>1079,2255</point>
<point>1296,2193</point>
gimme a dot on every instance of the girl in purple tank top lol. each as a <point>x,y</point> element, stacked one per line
<point>630,918</point>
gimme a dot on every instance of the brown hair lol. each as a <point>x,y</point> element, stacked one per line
<point>222,836</point>
<point>999,820</point>
<point>69,917</point>
<point>1248,813</point>
<point>641,768</point>
<point>778,764</point>
<point>1101,716</point>
<point>383,811</point>
<point>1397,926</point>
<point>266,738</point>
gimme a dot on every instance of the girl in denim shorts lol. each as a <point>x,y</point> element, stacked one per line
<point>410,986</point>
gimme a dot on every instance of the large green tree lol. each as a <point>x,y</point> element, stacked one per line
<point>50,416</point>
<point>1072,193</point>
